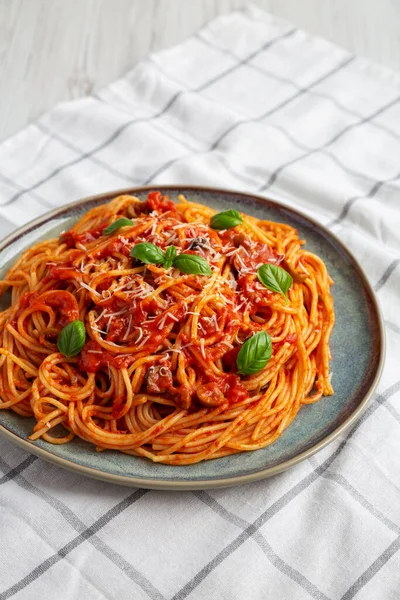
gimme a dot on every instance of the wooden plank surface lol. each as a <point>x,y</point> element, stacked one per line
<point>57,50</point>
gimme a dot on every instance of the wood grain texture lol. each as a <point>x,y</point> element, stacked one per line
<point>57,50</point>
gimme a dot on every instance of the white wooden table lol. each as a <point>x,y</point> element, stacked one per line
<point>57,50</point>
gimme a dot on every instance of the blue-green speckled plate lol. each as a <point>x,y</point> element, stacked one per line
<point>357,346</point>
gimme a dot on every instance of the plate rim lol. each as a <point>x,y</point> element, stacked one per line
<point>160,484</point>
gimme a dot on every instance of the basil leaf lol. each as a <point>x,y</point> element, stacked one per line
<point>192,264</point>
<point>72,338</point>
<point>116,225</point>
<point>274,278</point>
<point>254,354</point>
<point>170,255</point>
<point>148,253</point>
<point>226,219</point>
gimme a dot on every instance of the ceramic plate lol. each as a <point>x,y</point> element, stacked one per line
<point>357,346</point>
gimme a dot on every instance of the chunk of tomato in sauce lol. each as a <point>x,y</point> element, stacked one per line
<point>234,389</point>
<point>251,255</point>
<point>64,272</point>
<point>156,201</point>
<point>71,237</point>
<point>255,292</point>
<point>229,358</point>
<point>93,358</point>
<point>61,301</point>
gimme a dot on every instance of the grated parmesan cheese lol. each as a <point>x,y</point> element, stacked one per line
<point>143,342</point>
<point>89,289</point>
<point>127,332</point>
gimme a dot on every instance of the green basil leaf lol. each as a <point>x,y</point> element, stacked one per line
<point>148,253</point>
<point>170,255</point>
<point>116,225</point>
<point>226,219</point>
<point>72,338</point>
<point>274,278</point>
<point>254,354</point>
<point>192,264</point>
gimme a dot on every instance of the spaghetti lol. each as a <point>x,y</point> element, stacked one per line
<point>159,374</point>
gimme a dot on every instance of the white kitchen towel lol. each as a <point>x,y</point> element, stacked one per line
<point>248,103</point>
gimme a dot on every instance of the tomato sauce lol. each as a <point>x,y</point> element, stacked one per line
<point>254,292</point>
<point>251,255</point>
<point>71,237</point>
<point>234,389</point>
<point>64,272</point>
<point>230,386</point>
<point>134,325</point>
<point>26,300</point>
<point>93,358</point>
<point>156,201</point>
<point>61,301</point>
<point>118,245</point>
<point>229,358</point>
<point>291,338</point>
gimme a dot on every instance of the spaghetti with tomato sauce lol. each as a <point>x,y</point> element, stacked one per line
<point>195,341</point>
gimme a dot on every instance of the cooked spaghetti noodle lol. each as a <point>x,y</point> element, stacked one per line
<point>157,376</point>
